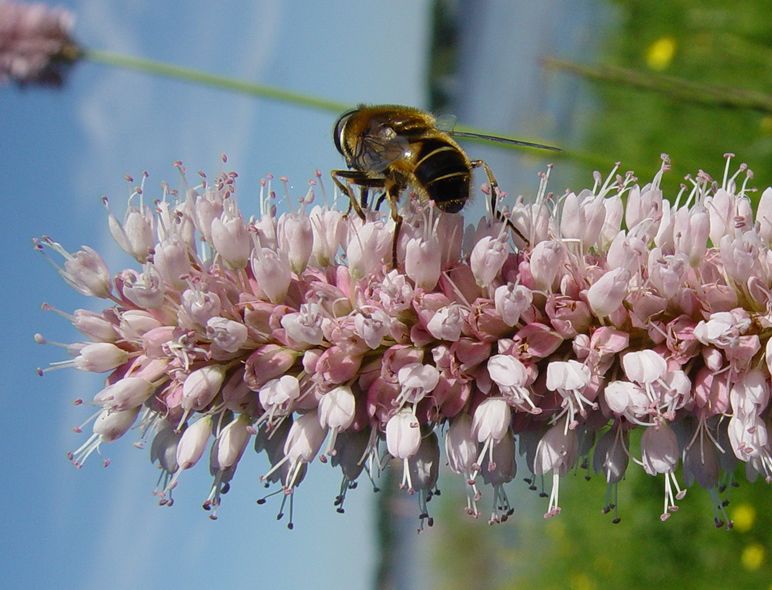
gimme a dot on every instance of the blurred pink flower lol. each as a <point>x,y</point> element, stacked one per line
<point>35,43</point>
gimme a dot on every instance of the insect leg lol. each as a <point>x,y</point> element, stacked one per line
<point>343,179</point>
<point>392,195</point>
<point>494,186</point>
<point>344,187</point>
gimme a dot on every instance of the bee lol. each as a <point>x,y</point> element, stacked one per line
<point>391,147</point>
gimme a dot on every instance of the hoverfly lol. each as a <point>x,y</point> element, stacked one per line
<point>391,147</point>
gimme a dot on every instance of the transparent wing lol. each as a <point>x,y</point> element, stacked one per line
<point>508,140</point>
<point>380,147</point>
<point>447,123</point>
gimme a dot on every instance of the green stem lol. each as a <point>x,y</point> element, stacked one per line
<point>675,88</point>
<point>194,76</point>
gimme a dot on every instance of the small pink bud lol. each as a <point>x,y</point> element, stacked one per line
<point>201,387</point>
<point>488,256</point>
<point>659,449</point>
<point>272,273</point>
<point>100,357</point>
<point>87,273</point>
<point>172,260</point>
<point>423,258</point>
<point>232,441</point>
<point>128,393</point>
<point>329,231</point>
<point>230,237</point>
<point>193,442</point>
<point>644,366</point>
<point>111,425</point>
<point>461,444</point>
<point>135,235</point>
<point>305,438</point>
<point>447,323</point>
<point>545,264</point>
<point>607,293</point>
<point>296,238</point>
<point>143,289</point>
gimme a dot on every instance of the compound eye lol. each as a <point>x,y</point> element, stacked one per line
<point>339,131</point>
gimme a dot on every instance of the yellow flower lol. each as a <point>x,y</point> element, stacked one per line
<point>660,54</point>
<point>766,125</point>
<point>752,556</point>
<point>743,516</point>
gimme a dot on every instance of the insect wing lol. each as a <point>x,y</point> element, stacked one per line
<point>506,140</point>
<point>380,147</point>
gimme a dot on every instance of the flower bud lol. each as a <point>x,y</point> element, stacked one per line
<point>201,387</point>
<point>423,258</point>
<point>607,293</point>
<point>231,239</point>
<point>111,425</point>
<point>172,260</point>
<point>232,441</point>
<point>296,238</point>
<point>486,260</point>
<point>128,393</point>
<point>272,273</point>
<point>99,357</point>
<point>193,442</point>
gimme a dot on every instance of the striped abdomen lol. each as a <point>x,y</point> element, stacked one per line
<point>443,171</point>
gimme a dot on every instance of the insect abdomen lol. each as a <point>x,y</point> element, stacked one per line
<point>443,172</point>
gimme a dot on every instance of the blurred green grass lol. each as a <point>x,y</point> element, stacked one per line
<point>706,41</point>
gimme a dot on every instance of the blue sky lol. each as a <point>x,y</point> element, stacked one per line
<point>61,151</point>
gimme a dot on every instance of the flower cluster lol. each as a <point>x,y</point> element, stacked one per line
<point>35,43</point>
<point>622,312</point>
